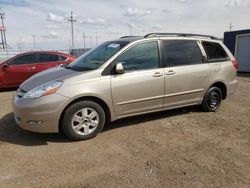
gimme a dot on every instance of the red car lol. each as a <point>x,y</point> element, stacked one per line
<point>19,68</point>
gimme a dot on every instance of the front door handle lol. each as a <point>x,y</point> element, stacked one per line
<point>157,74</point>
<point>32,68</point>
<point>170,72</point>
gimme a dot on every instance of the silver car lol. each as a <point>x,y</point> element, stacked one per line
<point>126,77</point>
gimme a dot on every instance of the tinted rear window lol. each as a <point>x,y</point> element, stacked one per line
<point>182,52</point>
<point>48,58</point>
<point>214,51</point>
<point>63,58</point>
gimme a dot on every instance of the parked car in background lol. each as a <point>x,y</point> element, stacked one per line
<point>19,68</point>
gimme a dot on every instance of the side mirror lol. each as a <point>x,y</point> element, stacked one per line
<point>4,67</point>
<point>119,68</point>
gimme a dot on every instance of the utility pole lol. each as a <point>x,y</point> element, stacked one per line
<point>96,38</point>
<point>130,29</point>
<point>84,36</point>
<point>91,41</point>
<point>72,20</point>
<point>34,41</point>
<point>3,36</point>
<point>230,26</point>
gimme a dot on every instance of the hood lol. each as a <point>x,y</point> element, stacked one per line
<point>58,73</point>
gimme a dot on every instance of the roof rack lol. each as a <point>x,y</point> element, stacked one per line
<point>179,35</point>
<point>128,37</point>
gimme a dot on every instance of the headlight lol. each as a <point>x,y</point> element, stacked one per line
<point>43,90</point>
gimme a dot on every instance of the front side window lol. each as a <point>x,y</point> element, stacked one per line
<point>214,51</point>
<point>43,58</point>
<point>140,57</point>
<point>96,57</point>
<point>25,59</point>
<point>182,52</point>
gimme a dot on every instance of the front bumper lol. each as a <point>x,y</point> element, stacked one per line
<point>44,110</point>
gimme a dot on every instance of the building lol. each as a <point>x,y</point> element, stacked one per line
<point>238,43</point>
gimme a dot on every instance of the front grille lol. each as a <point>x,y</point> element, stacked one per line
<point>20,93</point>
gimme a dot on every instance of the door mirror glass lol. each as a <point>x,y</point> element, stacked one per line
<point>119,68</point>
<point>4,67</point>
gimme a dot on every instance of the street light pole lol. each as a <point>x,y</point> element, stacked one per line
<point>91,41</point>
<point>84,36</point>
<point>34,41</point>
<point>71,19</point>
<point>230,26</point>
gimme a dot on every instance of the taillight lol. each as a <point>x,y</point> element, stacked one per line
<point>236,64</point>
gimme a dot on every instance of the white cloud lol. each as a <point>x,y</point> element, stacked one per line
<point>166,10</point>
<point>182,1</point>
<point>157,27</point>
<point>233,3</point>
<point>113,17</point>
<point>134,12</point>
<point>51,35</point>
<point>93,21</point>
<point>131,25</point>
<point>50,26</point>
<point>55,18</point>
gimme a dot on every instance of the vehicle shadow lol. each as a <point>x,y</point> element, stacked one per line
<point>151,117</point>
<point>11,133</point>
<point>8,89</point>
<point>244,75</point>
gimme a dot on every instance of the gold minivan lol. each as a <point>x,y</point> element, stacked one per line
<point>126,77</point>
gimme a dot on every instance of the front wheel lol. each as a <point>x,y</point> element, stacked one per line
<point>212,99</point>
<point>83,120</point>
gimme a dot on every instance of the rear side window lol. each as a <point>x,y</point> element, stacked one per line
<point>181,52</point>
<point>63,58</point>
<point>48,58</point>
<point>140,57</point>
<point>214,51</point>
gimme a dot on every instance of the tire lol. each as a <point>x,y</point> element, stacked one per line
<point>212,99</point>
<point>83,120</point>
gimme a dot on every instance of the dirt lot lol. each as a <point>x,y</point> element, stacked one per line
<point>177,148</point>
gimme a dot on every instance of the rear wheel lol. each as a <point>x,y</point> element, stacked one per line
<point>83,120</point>
<point>212,99</point>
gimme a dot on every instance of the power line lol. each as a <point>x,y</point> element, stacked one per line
<point>72,20</point>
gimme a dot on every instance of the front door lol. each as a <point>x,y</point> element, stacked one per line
<point>19,69</point>
<point>141,88</point>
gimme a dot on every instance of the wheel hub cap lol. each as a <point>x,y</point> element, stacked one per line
<point>85,121</point>
<point>213,100</point>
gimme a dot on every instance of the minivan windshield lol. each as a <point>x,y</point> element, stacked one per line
<point>94,58</point>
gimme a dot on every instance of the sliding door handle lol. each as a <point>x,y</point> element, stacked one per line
<point>170,72</point>
<point>157,74</point>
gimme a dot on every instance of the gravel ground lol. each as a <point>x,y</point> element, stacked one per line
<point>177,148</point>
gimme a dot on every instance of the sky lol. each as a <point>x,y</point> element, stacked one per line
<point>103,20</point>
